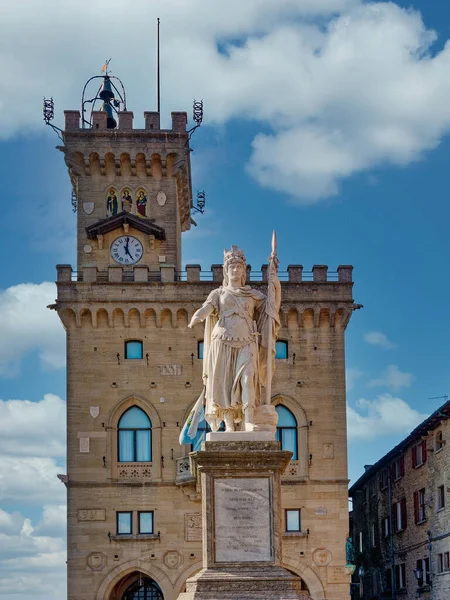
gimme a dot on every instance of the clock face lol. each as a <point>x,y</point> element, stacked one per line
<point>126,250</point>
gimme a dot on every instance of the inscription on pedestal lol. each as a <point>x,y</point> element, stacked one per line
<point>242,520</point>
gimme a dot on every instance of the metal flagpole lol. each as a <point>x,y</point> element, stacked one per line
<point>158,82</point>
<point>270,292</point>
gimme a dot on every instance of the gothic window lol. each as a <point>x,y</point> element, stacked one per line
<point>287,430</point>
<point>143,589</point>
<point>135,436</point>
<point>281,349</point>
<point>134,349</point>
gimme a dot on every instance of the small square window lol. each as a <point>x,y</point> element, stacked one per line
<point>124,523</point>
<point>145,522</point>
<point>281,349</point>
<point>293,520</point>
<point>440,497</point>
<point>200,346</point>
<point>134,349</point>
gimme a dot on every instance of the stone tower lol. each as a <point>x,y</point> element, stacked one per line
<point>134,371</point>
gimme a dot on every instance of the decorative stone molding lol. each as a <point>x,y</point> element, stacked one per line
<point>134,471</point>
<point>321,557</point>
<point>91,514</point>
<point>96,561</point>
<point>173,559</point>
<point>193,527</point>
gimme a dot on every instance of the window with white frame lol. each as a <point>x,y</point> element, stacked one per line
<point>372,535</point>
<point>419,454</point>
<point>440,497</point>
<point>400,576</point>
<point>438,440</point>
<point>420,511</point>
<point>399,515</point>
<point>386,527</point>
<point>398,467</point>
<point>384,475</point>
<point>293,520</point>
<point>423,569</point>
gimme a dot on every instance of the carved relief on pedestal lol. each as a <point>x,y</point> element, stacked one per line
<point>172,559</point>
<point>193,527</point>
<point>321,557</point>
<point>96,561</point>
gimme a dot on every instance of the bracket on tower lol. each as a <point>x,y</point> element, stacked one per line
<point>197,116</point>
<point>48,111</point>
<point>105,94</point>
<point>200,203</point>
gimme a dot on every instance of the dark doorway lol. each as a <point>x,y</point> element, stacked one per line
<point>143,589</point>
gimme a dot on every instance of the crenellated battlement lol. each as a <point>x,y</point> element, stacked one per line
<point>194,274</point>
<point>125,124</point>
<point>168,299</point>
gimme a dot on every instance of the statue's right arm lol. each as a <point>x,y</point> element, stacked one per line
<point>201,314</point>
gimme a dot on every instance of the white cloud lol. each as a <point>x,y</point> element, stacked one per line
<point>32,565</point>
<point>393,378</point>
<point>377,338</point>
<point>33,428</point>
<point>28,325</point>
<point>352,374</point>
<point>386,415</point>
<point>30,480</point>
<point>334,96</point>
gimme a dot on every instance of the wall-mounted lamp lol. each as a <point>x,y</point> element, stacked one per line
<point>118,358</point>
<point>192,358</point>
<point>109,535</point>
<point>307,532</point>
<point>162,462</point>
<point>293,358</point>
<point>146,356</point>
<point>158,535</point>
<point>310,459</point>
<point>104,461</point>
<point>171,453</point>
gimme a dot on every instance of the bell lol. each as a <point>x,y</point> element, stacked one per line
<point>111,123</point>
<point>106,92</point>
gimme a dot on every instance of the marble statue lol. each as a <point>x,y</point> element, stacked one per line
<point>241,325</point>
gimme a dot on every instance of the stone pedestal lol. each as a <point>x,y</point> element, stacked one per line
<point>242,521</point>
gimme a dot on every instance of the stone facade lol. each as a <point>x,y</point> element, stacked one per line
<point>103,305</point>
<point>400,518</point>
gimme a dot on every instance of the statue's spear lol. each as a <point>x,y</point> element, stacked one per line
<point>273,267</point>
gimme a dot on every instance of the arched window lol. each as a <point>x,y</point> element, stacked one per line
<point>134,349</point>
<point>135,436</point>
<point>287,430</point>
<point>203,429</point>
<point>143,589</point>
<point>281,349</point>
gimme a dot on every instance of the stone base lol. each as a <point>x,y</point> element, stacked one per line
<point>240,436</point>
<point>244,583</point>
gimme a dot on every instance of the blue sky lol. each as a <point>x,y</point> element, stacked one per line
<point>328,120</point>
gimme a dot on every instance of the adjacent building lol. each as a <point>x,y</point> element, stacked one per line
<point>134,371</point>
<point>401,517</point>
